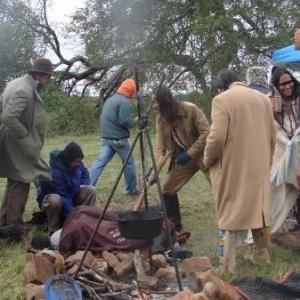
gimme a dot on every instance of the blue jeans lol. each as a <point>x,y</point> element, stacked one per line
<point>107,151</point>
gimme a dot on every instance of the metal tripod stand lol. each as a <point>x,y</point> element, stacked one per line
<point>143,135</point>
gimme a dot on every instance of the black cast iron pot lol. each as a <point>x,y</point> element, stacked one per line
<point>140,224</point>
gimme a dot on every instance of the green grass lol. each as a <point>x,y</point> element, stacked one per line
<point>198,212</point>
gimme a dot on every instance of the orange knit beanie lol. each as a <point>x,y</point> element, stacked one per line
<point>127,88</point>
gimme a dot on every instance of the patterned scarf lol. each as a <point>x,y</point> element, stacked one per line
<point>277,100</point>
<point>280,114</point>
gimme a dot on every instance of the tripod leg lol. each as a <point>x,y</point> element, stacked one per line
<point>107,204</point>
<point>163,207</point>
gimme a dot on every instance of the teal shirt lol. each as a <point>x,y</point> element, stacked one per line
<point>115,119</point>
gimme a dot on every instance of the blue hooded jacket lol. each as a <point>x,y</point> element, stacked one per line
<point>65,182</point>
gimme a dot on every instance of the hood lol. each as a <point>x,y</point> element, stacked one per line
<point>55,159</point>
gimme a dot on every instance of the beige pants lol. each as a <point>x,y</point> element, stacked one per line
<point>14,202</point>
<point>52,204</point>
<point>178,177</point>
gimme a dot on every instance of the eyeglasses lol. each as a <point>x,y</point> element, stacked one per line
<point>286,83</point>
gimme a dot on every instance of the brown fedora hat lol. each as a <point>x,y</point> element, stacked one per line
<point>42,66</point>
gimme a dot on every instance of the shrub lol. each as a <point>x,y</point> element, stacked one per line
<point>68,114</point>
<point>203,101</point>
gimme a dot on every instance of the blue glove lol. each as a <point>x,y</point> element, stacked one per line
<point>183,159</point>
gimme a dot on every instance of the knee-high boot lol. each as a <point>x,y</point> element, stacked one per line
<point>173,210</point>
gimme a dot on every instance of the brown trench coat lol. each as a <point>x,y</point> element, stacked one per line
<point>192,132</point>
<point>22,129</point>
<point>239,152</point>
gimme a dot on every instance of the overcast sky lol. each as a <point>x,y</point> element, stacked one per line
<point>58,12</point>
<point>60,9</point>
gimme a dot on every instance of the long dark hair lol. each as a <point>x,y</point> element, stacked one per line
<point>277,71</point>
<point>168,105</point>
<point>280,70</point>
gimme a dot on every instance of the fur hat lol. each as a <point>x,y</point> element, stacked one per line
<point>257,75</point>
<point>127,88</point>
<point>42,66</point>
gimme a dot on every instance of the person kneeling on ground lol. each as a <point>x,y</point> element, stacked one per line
<point>70,186</point>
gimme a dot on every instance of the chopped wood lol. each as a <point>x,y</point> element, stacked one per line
<point>142,278</point>
<point>125,267</point>
<point>111,259</point>
<point>138,265</point>
<point>124,255</point>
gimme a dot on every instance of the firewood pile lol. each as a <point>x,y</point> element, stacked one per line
<point>127,275</point>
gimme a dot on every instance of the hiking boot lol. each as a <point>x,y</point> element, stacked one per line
<point>258,256</point>
<point>12,233</point>
<point>132,194</point>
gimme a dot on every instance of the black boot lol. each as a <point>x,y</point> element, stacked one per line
<point>12,233</point>
<point>173,210</point>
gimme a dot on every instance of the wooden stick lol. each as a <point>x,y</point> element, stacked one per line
<point>112,285</point>
<point>150,292</point>
<point>93,283</point>
<point>90,291</point>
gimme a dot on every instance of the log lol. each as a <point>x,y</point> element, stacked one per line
<point>138,264</point>
<point>142,278</point>
<point>111,259</point>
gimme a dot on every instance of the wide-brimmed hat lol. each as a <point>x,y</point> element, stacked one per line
<point>42,66</point>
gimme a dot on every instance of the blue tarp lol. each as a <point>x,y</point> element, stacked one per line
<point>287,55</point>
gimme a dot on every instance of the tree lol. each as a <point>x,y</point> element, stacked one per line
<point>184,39</point>
<point>189,36</point>
<point>18,46</point>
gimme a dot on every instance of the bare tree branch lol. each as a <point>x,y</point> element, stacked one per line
<point>178,76</point>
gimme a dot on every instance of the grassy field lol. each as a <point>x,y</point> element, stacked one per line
<point>198,211</point>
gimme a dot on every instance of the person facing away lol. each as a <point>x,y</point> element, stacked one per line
<point>115,123</point>
<point>181,130</point>
<point>22,130</point>
<point>238,151</point>
<point>257,79</point>
<point>70,186</point>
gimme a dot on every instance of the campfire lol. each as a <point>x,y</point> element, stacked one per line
<point>125,275</point>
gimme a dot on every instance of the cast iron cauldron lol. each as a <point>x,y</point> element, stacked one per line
<point>140,224</point>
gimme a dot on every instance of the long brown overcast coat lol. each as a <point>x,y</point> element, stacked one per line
<point>22,129</point>
<point>192,132</point>
<point>238,152</point>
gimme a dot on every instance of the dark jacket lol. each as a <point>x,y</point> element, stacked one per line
<point>260,88</point>
<point>65,182</point>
